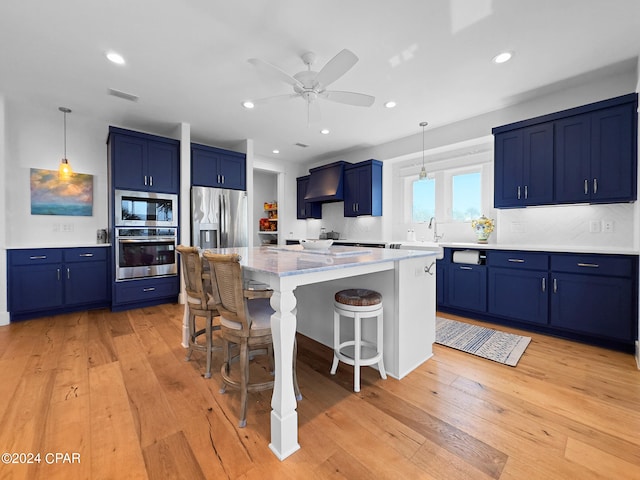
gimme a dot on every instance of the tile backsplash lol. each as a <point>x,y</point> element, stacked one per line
<point>571,225</point>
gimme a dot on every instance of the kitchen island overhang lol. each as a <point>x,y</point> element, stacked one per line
<point>304,284</point>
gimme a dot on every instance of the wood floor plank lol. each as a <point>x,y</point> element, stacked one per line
<point>115,446</point>
<point>146,396</point>
<point>172,458</point>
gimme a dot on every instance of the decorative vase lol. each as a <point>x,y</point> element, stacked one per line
<point>483,227</point>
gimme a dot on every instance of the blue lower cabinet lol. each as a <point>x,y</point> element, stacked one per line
<point>145,292</point>
<point>595,305</point>
<point>586,297</point>
<point>48,281</point>
<point>519,294</point>
<point>467,287</point>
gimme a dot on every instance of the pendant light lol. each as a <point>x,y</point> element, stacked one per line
<point>64,170</point>
<point>423,172</point>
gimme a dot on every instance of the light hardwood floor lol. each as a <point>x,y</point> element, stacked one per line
<point>114,389</point>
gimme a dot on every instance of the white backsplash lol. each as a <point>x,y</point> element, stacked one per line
<point>359,228</point>
<point>568,225</point>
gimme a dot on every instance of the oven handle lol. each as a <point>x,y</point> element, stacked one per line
<point>146,240</point>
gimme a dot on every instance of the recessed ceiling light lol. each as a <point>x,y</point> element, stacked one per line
<point>324,131</point>
<point>248,104</point>
<point>502,57</point>
<point>276,151</point>
<point>390,104</point>
<point>115,58</point>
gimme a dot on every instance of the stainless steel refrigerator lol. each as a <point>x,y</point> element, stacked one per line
<point>218,217</point>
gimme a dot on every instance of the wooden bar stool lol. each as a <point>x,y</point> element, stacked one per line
<point>357,303</point>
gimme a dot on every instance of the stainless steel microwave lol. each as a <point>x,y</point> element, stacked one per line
<point>145,209</point>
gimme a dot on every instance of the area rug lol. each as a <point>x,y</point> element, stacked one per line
<point>500,347</point>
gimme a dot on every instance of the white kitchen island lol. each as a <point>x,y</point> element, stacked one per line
<point>304,284</point>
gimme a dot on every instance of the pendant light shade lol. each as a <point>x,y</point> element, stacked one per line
<point>64,170</point>
<point>423,171</point>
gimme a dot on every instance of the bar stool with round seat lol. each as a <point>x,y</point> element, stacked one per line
<point>359,304</point>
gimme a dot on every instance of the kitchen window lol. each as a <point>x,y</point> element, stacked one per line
<point>424,200</point>
<point>451,195</point>
<point>466,196</point>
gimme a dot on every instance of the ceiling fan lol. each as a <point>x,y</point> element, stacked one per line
<point>310,85</point>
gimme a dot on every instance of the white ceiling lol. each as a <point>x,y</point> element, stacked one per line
<point>187,61</point>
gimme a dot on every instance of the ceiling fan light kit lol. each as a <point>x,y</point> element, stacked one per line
<point>310,85</point>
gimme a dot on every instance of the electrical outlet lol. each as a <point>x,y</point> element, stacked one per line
<point>67,227</point>
<point>594,226</point>
<point>607,226</point>
<point>56,227</point>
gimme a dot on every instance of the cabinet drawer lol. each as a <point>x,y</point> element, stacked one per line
<point>593,264</point>
<point>35,256</point>
<point>515,259</point>
<point>89,254</point>
<point>143,290</point>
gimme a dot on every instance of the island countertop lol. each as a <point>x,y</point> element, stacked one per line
<point>295,260</point>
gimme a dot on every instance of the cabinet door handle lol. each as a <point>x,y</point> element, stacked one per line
<point>595,185</point>
<point>223,179</point>
<point>68,273</point>
<point>145,179</point>
<point>544,284</point>
<point>37,257</point>
<point>58,270</point>
<point>149,289</point>
<point>151,180</point>
<point>555,285</point>
<point>518,192</point>
<point>526,192</point>
<point>586,186</point>
<point>516,260</point>
<point>466,268</point>
<point>86,255</point>
<point>590,265</point>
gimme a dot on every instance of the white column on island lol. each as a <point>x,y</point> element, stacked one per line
<point>284,418</point>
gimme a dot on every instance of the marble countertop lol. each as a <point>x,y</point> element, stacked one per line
<point>296,261</point>
<point>62,245</point>
<point>541,248</point>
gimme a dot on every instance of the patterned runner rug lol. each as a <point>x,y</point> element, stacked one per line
<point>484,342</point>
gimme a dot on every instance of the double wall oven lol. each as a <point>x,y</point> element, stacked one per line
<point>146,234</point>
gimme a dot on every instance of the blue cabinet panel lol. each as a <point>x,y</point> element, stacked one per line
<point>216,167</point>
<point>305,209</point>
<point>143,162</point>
<point>55,280</point>
<point>467,287</point>
<point>146,290</point>
<point>519,294</point>
<point>363,189</point>
<point>593,304</point>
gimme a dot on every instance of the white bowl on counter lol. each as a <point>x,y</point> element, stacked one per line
<point>313,244</point>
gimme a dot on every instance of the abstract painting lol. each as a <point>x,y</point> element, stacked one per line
<point>51,195</point>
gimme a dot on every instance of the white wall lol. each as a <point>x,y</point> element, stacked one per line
<point>4,315</point>
<point>34,139</point>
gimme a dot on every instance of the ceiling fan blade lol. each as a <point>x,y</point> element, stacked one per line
<point>274,99</point>
<point>274,72</point>
<point>335,68</point>
<point>350,98</point>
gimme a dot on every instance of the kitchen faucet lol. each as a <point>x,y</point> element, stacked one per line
<point>434,224</point>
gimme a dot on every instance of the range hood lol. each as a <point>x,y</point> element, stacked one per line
<point>326,183</point>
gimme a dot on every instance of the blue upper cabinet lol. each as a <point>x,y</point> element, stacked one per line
<point>586,154</point>
<point>216,167</point>
<point>144,162</point>
<point>596,156</point>
<point>524,167</point>
<point>305,209</point>
<point>363,189</point>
